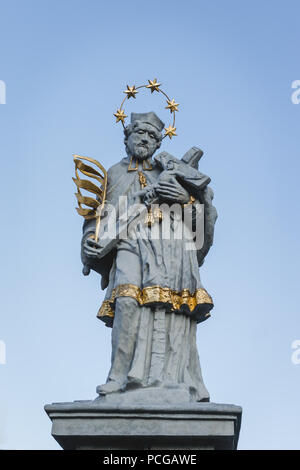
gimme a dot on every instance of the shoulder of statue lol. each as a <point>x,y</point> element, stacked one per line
<point>115,169</point>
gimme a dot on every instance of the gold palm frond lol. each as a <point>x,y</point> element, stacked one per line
<point>94,204</point>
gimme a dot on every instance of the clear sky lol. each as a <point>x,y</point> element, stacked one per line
<point>230,65</point>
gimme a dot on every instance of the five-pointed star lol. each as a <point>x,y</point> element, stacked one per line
<point>131,91</point>
<point>120,115</point>
<point>170,131</point>
<point>153,85</point>
<point>172,106</point>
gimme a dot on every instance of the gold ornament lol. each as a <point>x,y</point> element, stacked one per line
<point>142,180</point>
<point>120,115</point>
<point>95,204</point>
<point>170,131</point>
<point>153,85</point>
<point>131,91</point>
<point>172,106</point>
<point>157,294</point>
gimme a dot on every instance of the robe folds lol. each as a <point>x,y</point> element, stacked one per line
<point>162,276</point>
<point>157,271</point>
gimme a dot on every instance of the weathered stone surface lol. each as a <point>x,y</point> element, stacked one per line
<point>154,396</point>
<point>154,295</point>
<point>100,425</point>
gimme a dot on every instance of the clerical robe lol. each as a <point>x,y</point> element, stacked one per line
<point>163,278</point>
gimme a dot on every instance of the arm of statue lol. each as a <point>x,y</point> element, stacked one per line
<point>163,191</point>
<point>91,258</point>
<point>88,230</point>
<point>170,190</point>
<point>91,253</point>
<point>210,217</point>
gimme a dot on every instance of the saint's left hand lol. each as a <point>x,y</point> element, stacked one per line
<point>172,192</point>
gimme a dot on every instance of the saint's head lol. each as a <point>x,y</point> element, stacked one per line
<point>143,135</point>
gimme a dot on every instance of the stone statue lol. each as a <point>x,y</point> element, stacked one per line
<point>149,224</point>
<point>154,297</point>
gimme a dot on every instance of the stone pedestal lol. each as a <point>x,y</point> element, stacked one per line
<point>113,425</point>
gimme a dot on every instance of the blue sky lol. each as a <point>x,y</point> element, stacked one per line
<point>230,65</point>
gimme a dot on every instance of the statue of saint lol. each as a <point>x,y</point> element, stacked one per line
<point>154,296</point>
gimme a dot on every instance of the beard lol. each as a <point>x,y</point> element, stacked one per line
<point>140,152</point>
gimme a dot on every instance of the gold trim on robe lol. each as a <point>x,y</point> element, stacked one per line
<point>152,295</point>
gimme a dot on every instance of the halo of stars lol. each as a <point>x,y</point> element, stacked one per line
<point>153,85</point>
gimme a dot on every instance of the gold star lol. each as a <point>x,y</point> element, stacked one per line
<point>131,91</point>
<point>153,85</point>
<point>172,106</point>
<point>170,131</point>
<point>120,115</point>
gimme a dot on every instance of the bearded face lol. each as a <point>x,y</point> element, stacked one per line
<point>143,141</point>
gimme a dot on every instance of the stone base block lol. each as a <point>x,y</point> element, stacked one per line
<point>99,424</point>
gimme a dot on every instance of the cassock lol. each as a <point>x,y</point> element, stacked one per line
<point>168,299</point>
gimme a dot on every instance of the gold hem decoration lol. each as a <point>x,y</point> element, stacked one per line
<point>105,310</point>
<point>155,294</point>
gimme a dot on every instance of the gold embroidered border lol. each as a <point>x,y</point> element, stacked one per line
<point>154,294</point>
<point>106,310</point>
<point>129,290</point>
